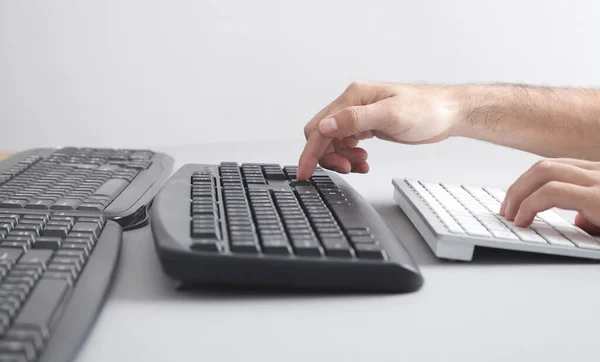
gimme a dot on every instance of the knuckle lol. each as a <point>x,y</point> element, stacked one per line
<point>351,118</point>
<point>551,188</point>
<point>544,167</point>
<point>307,130</point>
<point>355,86</point>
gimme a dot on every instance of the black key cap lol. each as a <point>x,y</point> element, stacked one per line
<point>7,222</point>
<point>40,218</point>
<point>6,226</point>
<point>369,251</point>
<point>19,291</point>
<point>3,270</point>
<point>20,233</point>
<point>87,236</point>
<point>89,206</point>
<point>23,243</point>
<point>28,227</point>
<point>358,231</point>
<point>81,227</point>
<point>206,245</point>
<point>56,231</point>
<point>77,246</point>
<point>71,269</point>
<point>36,257</point>
<point>66,224</point>
<point>307,247</point>
<point>65,219</point>
<point>348,216</point>
<point>306,190</point>
<point>9,307</point>
<point>362,239</point>
<point>276,247</point>
<point>72,261</point>
<point>66,276</point>
<point>9,257</point>
<point>25,272</point>
<point>71,254</point>
<point>40,204</point>
<point>26,335</point>
<point>37,222</point>
<point>19,280</point>
<point>51,243</point>
<point>22,349</point>
<point>244,246</point>
<point>13,204</point>
<point>66,204</point>
<point>300,183</point>
<point>112,188</point>
<point>18,295</point>
<point>337,247</point>
<point>42,304</point>
<point>4,320</point>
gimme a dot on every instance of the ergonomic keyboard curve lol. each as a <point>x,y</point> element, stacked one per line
<point>119,183</point>
<point>256,225</point>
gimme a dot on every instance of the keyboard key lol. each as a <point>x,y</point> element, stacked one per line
<point>112,188</point>
<point>276,247</point>
<point>88,206</point>
<point>369,251</point>
<point>32,336</point>
<point>13,204</point>
<point>243,246</point>
<point>337,247</point>
<point>581,240</point>
<point>36,257</point>
<point>52,243</point>
<point>20,350</point>
<point>55,231</point>
<point>42,304</point>
<point>40,204</point>
<point>90,227</point>
<point>9,256</point>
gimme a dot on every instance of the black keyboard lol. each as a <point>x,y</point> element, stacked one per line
<point>55,270</point>
<point>255,225</point>
<point>119,183</point>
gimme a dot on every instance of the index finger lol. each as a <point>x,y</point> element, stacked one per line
<point>315,148</point>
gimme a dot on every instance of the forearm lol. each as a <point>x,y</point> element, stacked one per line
<point>551,122</point>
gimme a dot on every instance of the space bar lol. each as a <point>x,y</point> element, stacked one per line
<point>42,304</point>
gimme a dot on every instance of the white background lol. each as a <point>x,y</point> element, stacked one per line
<point>148,73</point>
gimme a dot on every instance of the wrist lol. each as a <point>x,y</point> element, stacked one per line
<point>459,103</point>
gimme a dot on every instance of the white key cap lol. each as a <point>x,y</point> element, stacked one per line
<point>554,219</point>
<point>498,194</point>
<point>478,231</point>
<point>583,241</point>
<point>505,235</point>
<point>455,228</point>
<point>557,240</point>
<point>527,234</point>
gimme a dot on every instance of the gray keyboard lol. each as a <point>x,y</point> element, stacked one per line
<point>454,219</point>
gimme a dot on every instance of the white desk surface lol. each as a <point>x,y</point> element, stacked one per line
<point>501,307</point>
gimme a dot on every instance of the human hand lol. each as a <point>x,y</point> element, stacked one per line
<point>410,114</point>
<point>565,183</point>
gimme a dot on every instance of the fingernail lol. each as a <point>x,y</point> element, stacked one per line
<point>328,125</point>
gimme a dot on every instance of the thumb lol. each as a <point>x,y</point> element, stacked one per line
<point>354,119</point>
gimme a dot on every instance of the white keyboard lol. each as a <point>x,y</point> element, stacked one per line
<point>454,219</point>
